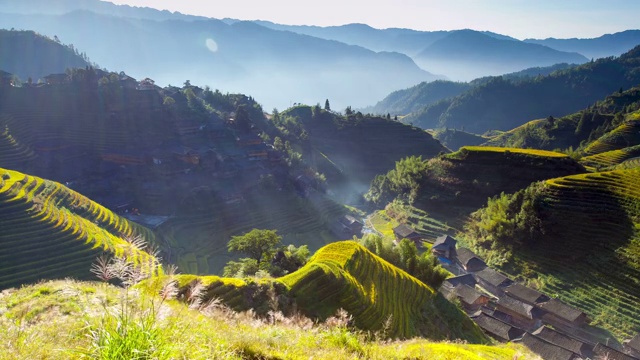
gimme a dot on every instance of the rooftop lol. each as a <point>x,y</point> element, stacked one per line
<point>445,240</point>
<point>516,306</point>
<point>562,310</point>
<point>562,340</point>
<point>609,353</point>
<point>466,279</point>
<point>526,294</point>
<point>634,343</point>
<point>545,349</point>
<point>403,230</point>
<point>493,277</point>
<point>498,328</point>
<point>468,294</point>
<point>465,256</point>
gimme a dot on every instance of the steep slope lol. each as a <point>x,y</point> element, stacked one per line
<point>409,100</point>
<point>241,57</point>
<point>49,231</point>
<point>455,139</point>
<point>603,46</point>
<point>452,186</point>
<point>574,236</point>
<point>32,56</point>
<point>346,275</point>
<point>609,124</point>
<point>50,311</point>
<point>502,105</point>
<point>467,54</point>
<point>351,150</point>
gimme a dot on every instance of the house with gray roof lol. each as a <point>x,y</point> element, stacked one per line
<point>403,231</point>
<point>547,350</point>
<point>497,329</point>
<point>471,299</point>
<point>493,281</point>
<point>564,341</point>
<point>559,314</point>
<point>523,315</point>
<point>526,294</point>
<point>466,279</point>
<point>444,246</point>
<point>468,260</point>
<point>601,351</point>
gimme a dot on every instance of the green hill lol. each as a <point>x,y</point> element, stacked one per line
<point>352,149</point>
<point>452,186</point>
<point>575,237</point>
<point>30,55</point>
<point>606,125</point>
<point>50,231</point>
<point>502,104</point>
<point>348,276</point>
<point>48,312</point>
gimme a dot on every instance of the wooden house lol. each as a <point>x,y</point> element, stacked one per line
<point>186,155</point>
<point>403,231</point>
<point>128,82</point>
<point>146,84</point>
<point>632,346</point>
<point>497,329</point>
<point>523,315</point>
<point>471,299</point>
<point>444,246</point>
<point>466,279</point>
<point>564,341</point>
<point>352,224</point>
<point>468,260</point>
<point>526,294</point>
<point>493,281</point>
<point>559,314</point>
<point>248,139</point>
<point>601,351</point>
<point>547,350</point>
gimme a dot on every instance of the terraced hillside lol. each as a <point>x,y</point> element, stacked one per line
<point>584,245</point>
<point>50,231</point>
<point>611,157</point>
<point>198,240</point>
<point>346,275</point>
<point>625,135</point>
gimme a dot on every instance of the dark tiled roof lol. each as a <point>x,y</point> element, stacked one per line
<point>516,306</point>
<point>634,343</point>
<point>497,328</point>
<point>445,240</point>
<point>545,349</point>
<point>466,279</point>
<point>497,314</point>
<point>468,294</point>
<point>403,230</point>
<point>465,255</point>
<point>526,294</point>
<point>493,277</point>
<point>561,310</point>
<point>610,354</point>
<point>562,340</point>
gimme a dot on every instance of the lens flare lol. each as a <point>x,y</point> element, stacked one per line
<point>211,45</point>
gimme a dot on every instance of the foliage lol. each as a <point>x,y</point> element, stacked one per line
<point>425,267</point>
<point>256,243</point>
<point>405,180</point>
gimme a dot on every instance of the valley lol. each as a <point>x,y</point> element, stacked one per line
<point>334,191</point>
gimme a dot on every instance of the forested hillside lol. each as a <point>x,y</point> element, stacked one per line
<point>502,104</point>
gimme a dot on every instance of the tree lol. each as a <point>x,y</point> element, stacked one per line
<point>326,105</point>
<point>256,243</point>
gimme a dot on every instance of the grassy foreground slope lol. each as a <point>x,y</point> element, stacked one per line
<point>577,237</point>
<point>50,231</point>
<point>55,320</point>
<point>348,276</point>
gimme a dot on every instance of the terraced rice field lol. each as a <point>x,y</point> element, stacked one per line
<point>629,164</point>
<point>625,135</point>
<point>611,158</point>
<point>533,152</point>
<point>346,275</point>
<point>202,238</point>
<point>13,152</point>
<point>591,257</point>
<point>49,231</point>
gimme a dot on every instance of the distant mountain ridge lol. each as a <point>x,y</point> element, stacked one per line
<point>468,54</point>
<point>603,46</point>
<point>277,67</point>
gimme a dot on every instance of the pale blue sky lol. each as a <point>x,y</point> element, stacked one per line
<point>517,18</point>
